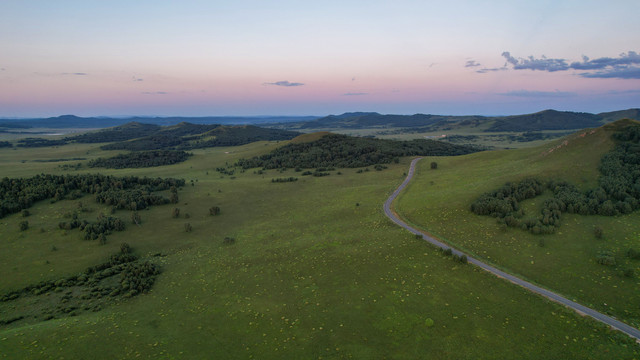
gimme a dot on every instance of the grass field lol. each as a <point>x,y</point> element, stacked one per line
<point>316,271</point>
<point>439,201</point>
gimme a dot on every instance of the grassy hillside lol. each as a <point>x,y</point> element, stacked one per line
<point>316,271</point>
<point>566,261</point>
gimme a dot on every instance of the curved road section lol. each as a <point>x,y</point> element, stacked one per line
<point>581,309</point>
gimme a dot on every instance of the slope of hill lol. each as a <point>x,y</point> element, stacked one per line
<point>186,136</point>
<point>545,120</point>
<point>574,258</point>
<point>334,150</point>
<point>127,131</point>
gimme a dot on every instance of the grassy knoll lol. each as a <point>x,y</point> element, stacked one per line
<point>566,261</point>
<point>316,271</point>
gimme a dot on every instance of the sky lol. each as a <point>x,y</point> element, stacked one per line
<point>245,58</point>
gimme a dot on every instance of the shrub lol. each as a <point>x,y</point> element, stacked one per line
<point>135,218</point>
<point>447,252</point>
<point>434,165</point>
<point>24,225</point>
<point>175,212</point>
<point>187,227</point>
<point>633,254</point>
<point>25,213</point>
<point>606,258</point>
<point>214,210</point>
<point>228,240</point>
<point>125,248</point>
<point>598,232</point>
<point>464,259</point>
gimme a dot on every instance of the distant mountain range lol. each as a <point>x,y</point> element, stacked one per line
<point>72,121</point>
<point>543,120</point>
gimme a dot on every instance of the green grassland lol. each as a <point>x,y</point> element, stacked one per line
<point>316,270</point>
<point>439,201</point>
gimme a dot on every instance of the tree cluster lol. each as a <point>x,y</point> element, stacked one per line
<point>141,159</point>
<point>282,180</point>
<point>123,192</point>
<point>618,191</point>
<point>343,151</point>
<point>39,142</point>
<point>103,227</point>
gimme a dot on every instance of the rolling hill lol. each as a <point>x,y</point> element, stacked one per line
<point>543,120</point>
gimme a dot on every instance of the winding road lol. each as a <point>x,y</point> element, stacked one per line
<point>581,309</point>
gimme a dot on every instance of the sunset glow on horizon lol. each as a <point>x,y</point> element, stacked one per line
<point>203,58</point>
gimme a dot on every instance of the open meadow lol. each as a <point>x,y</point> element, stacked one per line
<point>315,271</point>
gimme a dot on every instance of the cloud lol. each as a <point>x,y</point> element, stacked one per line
<point>154,93</point>
<point>355,94</point>
<point>537,94</point>
<point>625,66</point>
<point>134,78</point>
<point>630,58</point>
<point>75,74</point>
<point>284,83</point>
<point>531,63</point>
<point>471,63</point>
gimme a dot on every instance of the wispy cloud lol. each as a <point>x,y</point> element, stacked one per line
<point>537,94</point>
<point>355,94</point>
<point>136,79</point>
<point>154,93</point>
<point>284,83</point>
<point>471,63</point>
<point>618,72</point>
<point>486,70</point>
<point>625,66</point>
<point>61,74</point>
<point>623,92</point>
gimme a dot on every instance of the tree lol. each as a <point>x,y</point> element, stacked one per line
<point>187,227</point>
<point>214,210</point>
<point>434,165</point>
<point>175,213</point>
